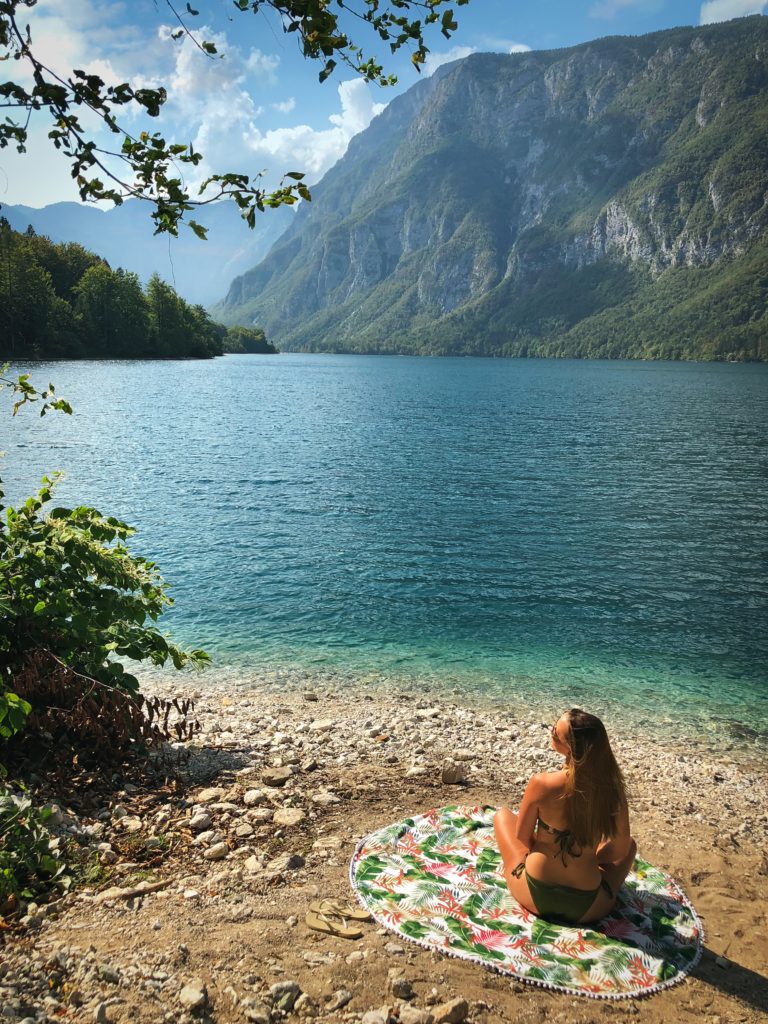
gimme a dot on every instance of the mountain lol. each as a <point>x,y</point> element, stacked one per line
<point>200,271</point>
<point>603,200</point>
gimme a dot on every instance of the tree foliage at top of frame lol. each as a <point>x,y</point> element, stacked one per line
<point>151,166</point>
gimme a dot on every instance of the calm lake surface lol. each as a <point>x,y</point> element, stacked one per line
<point>525,532</point>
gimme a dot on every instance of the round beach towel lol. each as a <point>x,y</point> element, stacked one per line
<point>436,879</point>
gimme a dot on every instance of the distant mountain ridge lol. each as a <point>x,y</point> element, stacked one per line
<point>200,271</point>
<point>604,200</point>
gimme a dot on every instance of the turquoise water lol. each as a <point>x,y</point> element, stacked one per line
<point>544,532</point>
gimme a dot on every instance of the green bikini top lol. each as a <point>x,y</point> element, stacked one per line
<point>563,840</point>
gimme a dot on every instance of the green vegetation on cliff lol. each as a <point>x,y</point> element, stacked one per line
<point>602,201</point>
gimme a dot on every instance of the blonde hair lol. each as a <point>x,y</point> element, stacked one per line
<point>594,789</point>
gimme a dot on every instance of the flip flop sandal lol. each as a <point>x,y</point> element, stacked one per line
<point>336,908</point>
<point>331,926</point>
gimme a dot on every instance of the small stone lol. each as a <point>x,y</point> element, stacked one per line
<point>400,986</point>
<point>394,949</point>
<point>253,865</point>
<point>216,852</point>
<point>339,998</point>
<point>100,1014</point>
<point>253,797</point>
<point>306,1006</point>
<point>258,1013</point>
<point>277,776</point>
<point>259,815</point>
<point>453,1012</point>
<point>131,825</point>
<point>376,1016</point>
<point>289,816</point>
<point>191,894</point>
<point>194,995</point>
<point>310,766</point>
<point>452,773</point>
<point>322,725</point>
<point>309,696</point>
<point>325,798</point>
<point>284,994</point>
<point>292,921</point>
<point>118,812</point>
<point>207,796</point>
<point>287,862</point>
<point>200,822</point>
<point>416,771</point>
<point>109,974</point>
<point>414,1015</point>
<point>243,830</point>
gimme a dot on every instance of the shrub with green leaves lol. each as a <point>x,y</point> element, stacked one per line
<point>73,601</point>
<point>29,864</point>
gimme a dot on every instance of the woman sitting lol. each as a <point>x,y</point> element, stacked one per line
<point>568,850</point>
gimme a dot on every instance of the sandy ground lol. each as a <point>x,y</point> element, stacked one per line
<point>235,925</point>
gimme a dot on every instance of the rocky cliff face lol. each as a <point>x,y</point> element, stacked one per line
<point>645,153</point>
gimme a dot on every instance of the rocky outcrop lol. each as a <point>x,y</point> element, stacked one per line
<point>643,152</point>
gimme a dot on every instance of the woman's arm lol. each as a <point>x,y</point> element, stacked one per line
<point>529,812</point>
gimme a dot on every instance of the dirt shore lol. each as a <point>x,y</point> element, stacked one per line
<point>196,909</point>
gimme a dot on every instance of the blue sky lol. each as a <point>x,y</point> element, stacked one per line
<point>260,107</point>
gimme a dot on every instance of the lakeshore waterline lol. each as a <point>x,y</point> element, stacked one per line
<point>538,533</point>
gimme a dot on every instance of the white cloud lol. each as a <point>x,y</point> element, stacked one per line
<point>724,10</point>
<point>230,139</point>
<point>286,106</point>
<point>435,60</point>
<point>610,8</point>
<point>519,48</point>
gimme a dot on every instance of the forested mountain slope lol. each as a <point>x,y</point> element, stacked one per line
<point>603,200</point>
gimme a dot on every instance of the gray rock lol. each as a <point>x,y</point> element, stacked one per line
<point>381,1016</point>
<point>310,766</point>
<point>100,1014</point>
<point>289,816</point>
<point>306,1006</point>
<point>200,822</point>
<point>399,985</point>
<point>208,796</point>
<point>339,999</point>
<point>276,776</point>
<point>394,949</point>
<point>259,815</point>
<point>253,797</point>
<point>452,773</point>
<point>257,1013</point>
<point>243,830</point>
<point>284,994</point>
<point>322,725</point>
<point>287,862</point>
<point>194,995</point>
<point>216,852</point>
<point>325,798</point>
<point>309,696</point>
<point>453,1012</point>
<point>414,1015</point>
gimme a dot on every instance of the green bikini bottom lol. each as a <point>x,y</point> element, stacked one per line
<point>562,902</point>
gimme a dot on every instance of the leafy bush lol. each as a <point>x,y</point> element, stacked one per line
<point>73,601</point>
<point>29,865</point>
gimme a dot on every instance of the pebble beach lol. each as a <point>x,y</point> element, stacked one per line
<point>206,920</point>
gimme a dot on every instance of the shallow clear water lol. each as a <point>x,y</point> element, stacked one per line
<point>546,532</point>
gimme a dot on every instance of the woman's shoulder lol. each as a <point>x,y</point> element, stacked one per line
<point>548,782</point>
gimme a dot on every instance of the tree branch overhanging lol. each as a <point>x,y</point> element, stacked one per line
<point>152,167</point>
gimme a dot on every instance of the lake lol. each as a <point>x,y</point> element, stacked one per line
<point>527,532</point>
